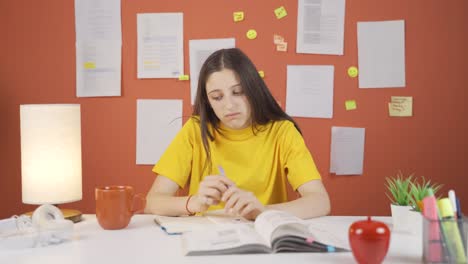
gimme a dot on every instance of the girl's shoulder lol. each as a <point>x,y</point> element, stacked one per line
<point>282,125</point>
<point>192,125</point>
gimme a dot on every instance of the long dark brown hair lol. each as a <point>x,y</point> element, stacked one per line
<point>264,107</point>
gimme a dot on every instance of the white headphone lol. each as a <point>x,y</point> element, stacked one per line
<point>46,226</point>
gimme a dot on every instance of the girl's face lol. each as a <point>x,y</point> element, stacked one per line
<point>227,98</point>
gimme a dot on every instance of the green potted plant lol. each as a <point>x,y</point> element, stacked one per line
<point>419,190</point>
<point>398,191</point>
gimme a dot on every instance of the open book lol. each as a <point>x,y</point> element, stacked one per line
<point>273,231</point>
<point>181,224</point>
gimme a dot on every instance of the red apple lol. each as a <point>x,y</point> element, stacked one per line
<point>369,241</point>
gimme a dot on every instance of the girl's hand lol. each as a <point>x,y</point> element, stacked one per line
<point>210,191</point>
<point>241,202</point>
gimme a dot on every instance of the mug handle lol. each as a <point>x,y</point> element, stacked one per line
<point>140,200</point>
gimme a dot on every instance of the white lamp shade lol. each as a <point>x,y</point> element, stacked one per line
<point>50,153</point>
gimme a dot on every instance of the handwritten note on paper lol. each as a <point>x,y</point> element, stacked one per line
<point>277,39</point>
<point>347,150</point>
<point>401,106</point>
<point>238,16</point>
<point>282,47</point>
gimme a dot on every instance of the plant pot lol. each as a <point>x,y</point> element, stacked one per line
<point>401,218</point>
<point>415,221</point>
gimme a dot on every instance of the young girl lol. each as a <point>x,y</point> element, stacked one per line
<point>237,150</point>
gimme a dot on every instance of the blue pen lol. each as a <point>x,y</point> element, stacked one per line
<point>221,171</point>
<point>459,212</point>
<point>460,223</point>
<point>165,229</point>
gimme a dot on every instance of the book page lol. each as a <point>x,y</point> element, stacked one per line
<point>288,233</point>
<point>224,239</point>
<point>219,217</point>
<point>322,232</point>
<point>268,221</point>
<point>181,224</point>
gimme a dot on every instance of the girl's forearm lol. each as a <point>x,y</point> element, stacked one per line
<point>165,204</point>
<point>309,206</point>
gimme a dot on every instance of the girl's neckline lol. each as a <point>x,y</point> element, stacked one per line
<point>239,134</point>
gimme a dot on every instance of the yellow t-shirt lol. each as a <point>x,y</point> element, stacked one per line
<point>260,163</point>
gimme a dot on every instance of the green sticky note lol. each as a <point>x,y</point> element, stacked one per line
<point>350,105</point>
<point>280,12</point>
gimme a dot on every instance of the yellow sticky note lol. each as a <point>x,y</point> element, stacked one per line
<point>277,39</point>
<point>251,34</point>
<point>282,47</point>
<point>280,12</point>
<point>89,65</point>
<point>352,71</point>
<point>395,109</point>
<point>401,99</point>
<point>350,104</point>
<point>184,77</point>
<point>261,73</point>
<point>238,16</point>
<point>401,106</point>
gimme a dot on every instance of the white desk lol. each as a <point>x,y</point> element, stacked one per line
<point>143,242</point>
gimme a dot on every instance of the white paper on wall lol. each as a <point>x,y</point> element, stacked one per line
<point>347,150</point>
<point>200,50</point>
<point>381,54</point>
<point>309,91</point>
<point>160,45</point>
<point>158,122</point>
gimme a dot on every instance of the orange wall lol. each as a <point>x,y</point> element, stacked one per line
<point>37,65</point>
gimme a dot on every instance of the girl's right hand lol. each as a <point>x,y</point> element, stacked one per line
<point>211,190</point>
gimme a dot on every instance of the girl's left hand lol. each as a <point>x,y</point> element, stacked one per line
<point>242,203</point>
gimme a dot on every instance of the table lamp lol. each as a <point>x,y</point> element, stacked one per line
<point>51,155</point>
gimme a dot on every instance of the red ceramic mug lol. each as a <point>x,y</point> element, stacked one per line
<point>115,205</point>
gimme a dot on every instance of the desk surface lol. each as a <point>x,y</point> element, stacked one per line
<point>143,242</point>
